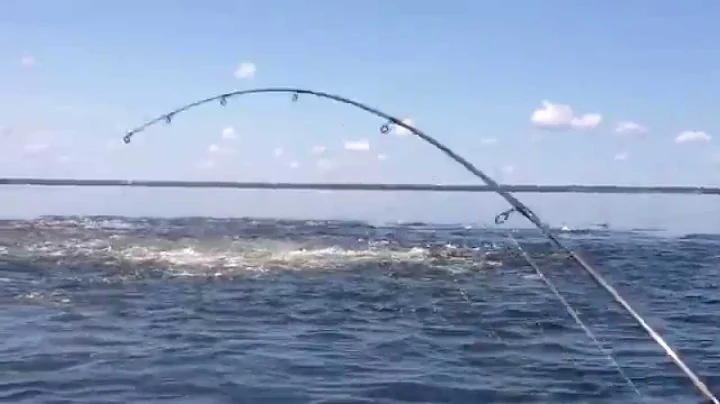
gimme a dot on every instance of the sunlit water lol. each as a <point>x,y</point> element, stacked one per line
<point>114,310</point>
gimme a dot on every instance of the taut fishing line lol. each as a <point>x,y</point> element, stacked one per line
<point>574,314</point>
<point>516,205</point>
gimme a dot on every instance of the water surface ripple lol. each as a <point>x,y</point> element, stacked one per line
<point>197,310</point>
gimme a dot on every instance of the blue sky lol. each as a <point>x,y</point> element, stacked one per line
<point>530,91</point>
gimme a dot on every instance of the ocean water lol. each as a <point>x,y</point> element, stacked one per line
<point>198,310</point>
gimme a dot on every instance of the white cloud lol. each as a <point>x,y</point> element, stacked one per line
<point>246,70</point>
<point>552,115</point>
<point>324,164</point>
<point>621,156</point>
<point>34,149</point>
<point>278,152</point>
<point>217,149</point>
<point>382,157</point>
<point>205,164</point>
<point>630,128</point>
<point>487,141</point>
<point>357,145</point>
<point>561,116</point>
<point>229,133</point>
<point>586,121</point>
<point>689,136</point>
<point>63,159</point>
<point>504,172</point>
<point>27,61</point>
<point>319,149</point>
<point>294,164</point>
<point>400,131</point>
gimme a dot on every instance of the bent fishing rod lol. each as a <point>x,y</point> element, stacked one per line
<point>516,205</point>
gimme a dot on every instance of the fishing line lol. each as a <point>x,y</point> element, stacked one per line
<point>517,206</point>
<point>575,316</point>
<point>490,331</point>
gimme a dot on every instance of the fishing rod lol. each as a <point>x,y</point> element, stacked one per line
<point>325,186</point>
<point>517,205</point>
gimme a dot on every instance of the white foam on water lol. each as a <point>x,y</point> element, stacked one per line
<point>100,241</point>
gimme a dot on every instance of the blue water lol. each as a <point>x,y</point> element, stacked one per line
<point>118,310</point>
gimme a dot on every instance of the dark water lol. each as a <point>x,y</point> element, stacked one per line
<point>112,310</point>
